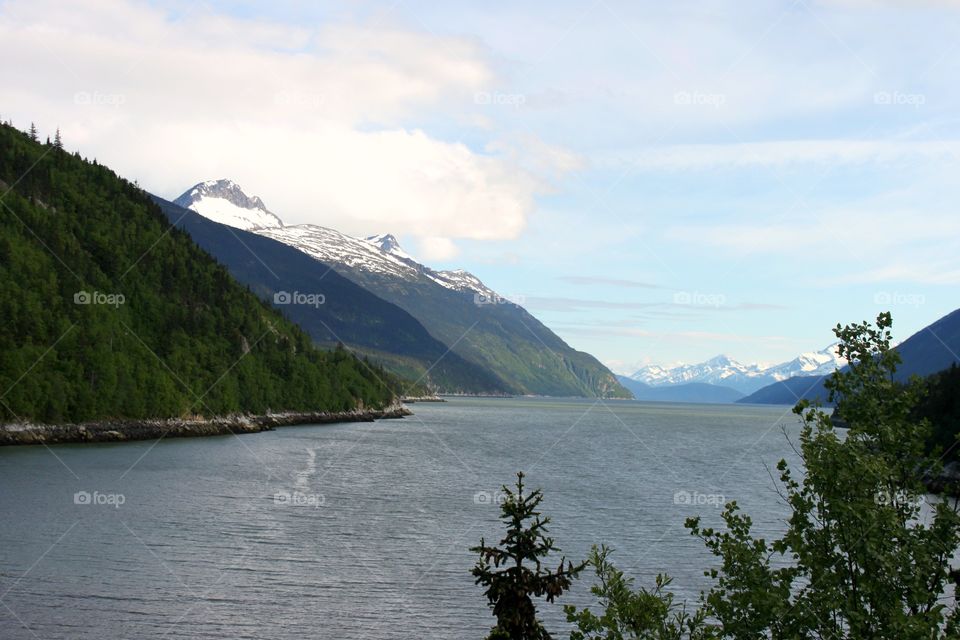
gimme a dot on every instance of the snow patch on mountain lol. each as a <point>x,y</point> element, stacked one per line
<point>331,246</point>
<point>388,243</point>
<point>461,280</point>
<point>225,202</point>
<point>717,370</point>
<point>724,370</point>
<point>812,363</point>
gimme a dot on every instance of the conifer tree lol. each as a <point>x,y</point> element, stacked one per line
<point>33,132</point>
<point>57,140</point>
<point>513,573</point>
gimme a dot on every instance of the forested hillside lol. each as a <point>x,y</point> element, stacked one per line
<point>349,313</point>
<point>941,406</point>
<point>108,312</point>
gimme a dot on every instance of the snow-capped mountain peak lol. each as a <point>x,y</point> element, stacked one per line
<point>716,370</point>
<point>462,280</point>
<point>811,363</point>
<point>725,371</point>
<point>723,360</point>
<point>224,201</point>
<point>388,242</point>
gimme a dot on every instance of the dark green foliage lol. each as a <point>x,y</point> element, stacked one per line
<point>513,573</point>
<point>628,614</point>
<point>855,561</point>
<point>861,557</point>
<point>367,323</point>
<point>526,356</point>
<point>927,352</point>
<point>184,338</point>
<point>941,406</point>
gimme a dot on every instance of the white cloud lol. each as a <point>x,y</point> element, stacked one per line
<point>908,4</point>
<point>938,272</point>
<point>829,233</point>
<point>857,245</point>
<point>784,152</point>
<point>434,248</point>
<point>538,156</point>
<point>314,120</point>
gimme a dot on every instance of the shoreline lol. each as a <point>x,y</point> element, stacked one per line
<point>14,434</point>
<point>415,399</point>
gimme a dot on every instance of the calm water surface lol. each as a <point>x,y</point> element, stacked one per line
<point>361,530</point>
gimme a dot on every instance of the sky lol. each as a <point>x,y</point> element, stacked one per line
<point>657,182</point>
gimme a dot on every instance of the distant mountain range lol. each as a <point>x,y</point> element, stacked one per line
<point>514,351</point>
<point>723,379</point>
<point>699,392</point>
<point>928,351</point>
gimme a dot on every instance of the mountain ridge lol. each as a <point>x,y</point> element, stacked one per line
<point>236,209</point>
<point>348,313</point>
<point>692,392</point>
<point>928,351</point>
<point>722,370</point>
<point>455,306</point>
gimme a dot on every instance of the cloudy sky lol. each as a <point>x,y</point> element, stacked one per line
<point>659,182</point>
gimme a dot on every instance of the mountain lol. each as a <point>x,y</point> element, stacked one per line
<point>811,363</point>
<point>110,314</point>
<point>721,370</point>
<point>345,312</point>
<point>789,391</point>
<point>930,350</point>
<point>456,307</point>
<point>697,392</point>
<point>389,244</point>
<point>224,201</point>
<point>726,372</point>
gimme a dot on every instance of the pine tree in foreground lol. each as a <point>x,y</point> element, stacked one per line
<point>512,572</point>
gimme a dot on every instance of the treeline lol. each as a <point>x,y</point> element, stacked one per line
<point>941,406</point>
<point>864,553</point>
<point>108,312</point>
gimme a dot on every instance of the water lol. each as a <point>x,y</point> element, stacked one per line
<point>362,530</point>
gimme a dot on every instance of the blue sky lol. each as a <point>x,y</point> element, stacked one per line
<point>659,182</point>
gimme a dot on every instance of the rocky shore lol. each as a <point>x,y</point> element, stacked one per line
<point>412,399</point>
<point>122,430</point>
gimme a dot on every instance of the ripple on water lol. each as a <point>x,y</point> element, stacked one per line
<point>201,548</point>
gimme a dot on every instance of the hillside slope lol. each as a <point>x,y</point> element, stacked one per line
<point>339,311</point>
<point>110,313</point>
<point>928,351</point>
<point>501,336</point>
<point>454,306</point>
<point>695,392</point>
